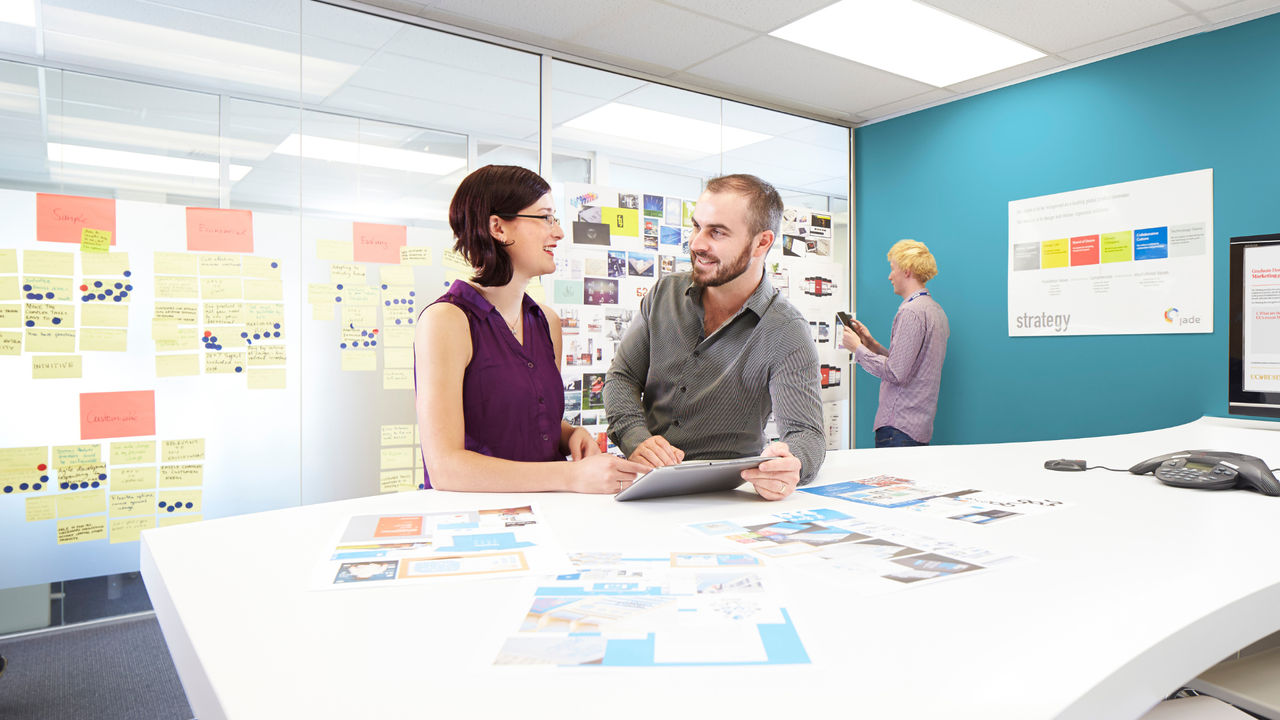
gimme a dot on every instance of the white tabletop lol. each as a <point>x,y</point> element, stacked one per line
<point>1124,595</point>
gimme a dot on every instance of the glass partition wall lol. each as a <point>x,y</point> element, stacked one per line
<point>316,120</point>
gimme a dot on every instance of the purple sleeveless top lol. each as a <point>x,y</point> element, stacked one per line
<point>512,394</point>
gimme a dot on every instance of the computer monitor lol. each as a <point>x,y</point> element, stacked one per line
<point>1253,363</point>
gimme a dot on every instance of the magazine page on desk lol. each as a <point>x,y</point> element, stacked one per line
<point>978,507</point>
<point>377,550</point>
<point>867,558</point>
<point>681,608</point>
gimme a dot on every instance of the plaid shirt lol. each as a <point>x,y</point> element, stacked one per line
<point>911,372</point>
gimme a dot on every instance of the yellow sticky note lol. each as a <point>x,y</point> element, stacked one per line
<point>104,340</point>
<point>10,343</point>
<point>41,340</point>
<point>23,481</point>
<point>417,439</point>
<point>49,315</point>
<point>10,316</point>
<point>181,313</point>
<point>397,336</point>
<point>181,475</point>
<point>96,241</point>
<point>266,379</point>
<point>359,360</point>
<point>322,311</point>
<point>82,530</point>
<point>221,288</point>
<point>255,289</point>
<point>98,315</point>
<point>41,508</point>
<point>224,313</point>
<point>397,434</point>
<point>182,450</point>
<point>321,292</point>
<point>8,260</point>
<point>396,457</point>
<point>177,286</point>
<point>224,363</point>
<point>264,315</point>
<point>260,267</point>
<point>84,474</point>
<point>360,316</point>
<point>49,288</point>
<point>224,265</point>
<point>44,262</point>
<point>81,503</point>
<point>536,291</point>
<point>167,520</point>
<point>397,379</point>
<point>179,501</point>
<point>112,264</point>
<point>55,367</point>
<point>129,529</point>
<point>132,453</point>
<point>396,275</point>
<point>24,458</point>
<point>335,250</point>
<point>266,355</point>
<point>346,273</point>
<point>182,365</point>
<point>131,503</point>
<point>68,455</point>
<point>397,357</point>
<point>171,263</point>
<point>141,477</point>
<point>186,339</point>
<point>9,287</point>
<point>415,255</point>
<point>397,481</point>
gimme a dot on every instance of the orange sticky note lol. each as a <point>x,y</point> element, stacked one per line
<point>215,230</point>
<point>117,414</point>
<point>61,218</point>
<point>378,243</point>
<point>398,526</point>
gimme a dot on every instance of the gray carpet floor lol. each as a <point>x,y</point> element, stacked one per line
<point>109,671</point>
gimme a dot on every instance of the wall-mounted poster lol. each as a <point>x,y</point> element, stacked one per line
<point>1130,258</point>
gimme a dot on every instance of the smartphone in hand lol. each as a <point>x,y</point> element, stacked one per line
<point>845,319</point>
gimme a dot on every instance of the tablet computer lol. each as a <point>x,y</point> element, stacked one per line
<point>690,477</point>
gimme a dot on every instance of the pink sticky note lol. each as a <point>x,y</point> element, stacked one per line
<point>117,414</point>
<point>378,243</point>
<point>61,218</point>
<point>215,230</point>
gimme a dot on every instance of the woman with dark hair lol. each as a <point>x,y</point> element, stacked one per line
<point>490,399</point>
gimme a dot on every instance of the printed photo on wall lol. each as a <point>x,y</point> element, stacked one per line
<point>617,264</point>
<point>593,391</point>
<point>591,213</point>
<point>591,233</point>
<point>794,246</point>
<point>669,237</point>
<point>650,226</point>
<point>686,214</point>
<point>572,401</point>
<point>653,205</point>
<point>640,264</point>
<point>595,266</point>
<point>671,211</point>
<point>629,200</point>
<point>666,265</point>
<point>601,291</point>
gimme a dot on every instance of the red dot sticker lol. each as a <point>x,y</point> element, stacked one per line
<point>208,333</point>
<point>84,287</point>
<point>375,331</point>
<point>42,467</point>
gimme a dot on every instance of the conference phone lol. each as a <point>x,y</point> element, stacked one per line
<point>1210,470</point>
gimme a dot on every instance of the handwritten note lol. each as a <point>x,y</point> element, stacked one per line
<point>82,530</point>
<point>224,363</point>
<point>95,241</point>
<point>416,255</point>
<point>104,339</point>
<point>133,453</point>
<point>396,457</point>
<point>56,367</point>
<point>114,264</point>
<point>181,475</point>
<point>266,379</point>
<point>183,365</point>
<point>374,242</point>
<point>334,250</point>
<point>359,360</point>
<point>397,379</point>
<point>131,503</point>
<point>24,458</point>
<point>117,414</point>
<point>397,434</point>
<point>58,341</point>
<point>219,230</point>
<point>81,503</point>
<point>171,263</point>
<point>64,455</point>
<point>397,481</point>
<point>95,315</point>
<point>141,477</point>
<point>177,286</point>
<point>129,529</point>
<point>41,508</point>
<point>62,218</point>
<point>182,450</point>
<point>45,262</point>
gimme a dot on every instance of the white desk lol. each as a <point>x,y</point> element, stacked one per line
<point>1127,594</point>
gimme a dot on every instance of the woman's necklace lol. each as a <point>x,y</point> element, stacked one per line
<point>515,326</point>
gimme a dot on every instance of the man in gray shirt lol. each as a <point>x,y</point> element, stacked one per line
<point>713,351</point>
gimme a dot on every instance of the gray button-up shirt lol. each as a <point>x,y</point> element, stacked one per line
<point>711,396</point>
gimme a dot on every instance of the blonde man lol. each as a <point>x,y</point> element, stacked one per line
<point>910,369</point>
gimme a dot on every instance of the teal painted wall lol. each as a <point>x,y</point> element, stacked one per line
<point>945,176</point>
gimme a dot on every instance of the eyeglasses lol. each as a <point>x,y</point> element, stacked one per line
<point>548,219</point>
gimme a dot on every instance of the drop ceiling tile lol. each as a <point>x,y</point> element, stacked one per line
<point>1013,74</point>
<point>1202,5</point>
<point>1053,25</point>
<point>1241,9</point>
<point>558,21</point>
<point>910,104</point>
<point>760,15</point>
<point>1133,40</point>
<point>754,69</point>
<point>659,36</point>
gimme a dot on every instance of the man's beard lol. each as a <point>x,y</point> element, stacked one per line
<point>724,273</point>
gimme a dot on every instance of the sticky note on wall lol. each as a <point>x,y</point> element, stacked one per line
<point>62,218</point>
<point>219,230</point>
<point>117,414</point>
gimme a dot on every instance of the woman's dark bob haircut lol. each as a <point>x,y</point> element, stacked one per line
<point>501,190</point>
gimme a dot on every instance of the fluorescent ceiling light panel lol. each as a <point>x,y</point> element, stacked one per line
<point>666,129</point>
<point>18,12</point>
<point>354,153</point>
<point>140,162</point>
<point>907,38</point>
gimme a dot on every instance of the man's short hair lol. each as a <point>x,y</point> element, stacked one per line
<point>915,258</point>
<point>501,190</point>
<point>764,205</point>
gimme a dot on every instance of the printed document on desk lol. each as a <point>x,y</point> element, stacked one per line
<point>979,507</point>
<point>395,548</point>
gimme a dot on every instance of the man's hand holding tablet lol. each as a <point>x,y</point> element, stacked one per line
<point>773,479</point>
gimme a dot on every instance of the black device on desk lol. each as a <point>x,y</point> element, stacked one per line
<point>1210,470</point>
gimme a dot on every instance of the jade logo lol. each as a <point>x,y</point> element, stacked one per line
<point>1171,315</point>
